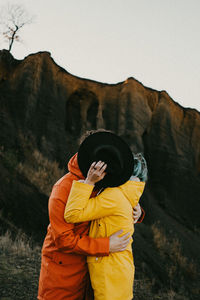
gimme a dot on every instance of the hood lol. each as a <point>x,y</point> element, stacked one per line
<point>133,191</point>
<point>73,167</point>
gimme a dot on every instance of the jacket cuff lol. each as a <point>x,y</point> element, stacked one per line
<point>83,187</point>
<point>104,246</point>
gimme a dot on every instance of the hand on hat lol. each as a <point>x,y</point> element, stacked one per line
<point>96,172</point>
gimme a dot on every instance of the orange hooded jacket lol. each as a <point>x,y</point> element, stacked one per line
<point>64,272</point>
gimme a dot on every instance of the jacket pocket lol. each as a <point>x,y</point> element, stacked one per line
<point>66,259</point>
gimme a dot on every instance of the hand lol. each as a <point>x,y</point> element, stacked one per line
<point>136,213</point>
<point>96,172</point>
<point>118,244</point>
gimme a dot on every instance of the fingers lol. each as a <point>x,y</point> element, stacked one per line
<point>124,246</point>
<point>98,167</point>
<point>124,241</point>
<point>93,164</point>
<point>92,167</point>
<point>119,243</point>
<point>96,172</point>
<point>117,233</point>
<point>135,217</point>
<point>125,236</point>
<point>136,213</point>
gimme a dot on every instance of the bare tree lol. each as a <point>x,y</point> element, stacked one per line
<point>12,18</point>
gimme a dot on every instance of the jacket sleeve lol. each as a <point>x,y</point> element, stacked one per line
<point>64,234</point>
<point>80,207</point>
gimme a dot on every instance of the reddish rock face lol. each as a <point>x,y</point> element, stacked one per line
<point>51,109</point>
<point>40,99</point>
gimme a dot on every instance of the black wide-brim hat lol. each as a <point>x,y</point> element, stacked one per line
<point>111,149</point>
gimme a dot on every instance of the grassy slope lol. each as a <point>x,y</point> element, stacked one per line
<point>19,268</point>
<point>19,273</point>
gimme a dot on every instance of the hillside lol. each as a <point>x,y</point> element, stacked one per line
<point>45,110</point>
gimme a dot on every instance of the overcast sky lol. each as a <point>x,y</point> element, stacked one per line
<point>155,41</point>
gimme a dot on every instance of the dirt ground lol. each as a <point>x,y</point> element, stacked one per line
<point>19,277</point>
<point>20,267</point>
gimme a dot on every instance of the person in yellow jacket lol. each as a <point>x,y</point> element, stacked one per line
<point>112,276</point>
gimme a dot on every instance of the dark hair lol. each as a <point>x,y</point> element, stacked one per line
<point>89,132</point>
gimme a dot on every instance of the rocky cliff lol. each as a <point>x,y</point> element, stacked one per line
<point>45,110</point>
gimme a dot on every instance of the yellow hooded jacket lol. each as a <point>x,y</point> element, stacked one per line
<point>111,276</point>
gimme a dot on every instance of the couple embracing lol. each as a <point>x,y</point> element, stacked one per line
<point>92,211</point>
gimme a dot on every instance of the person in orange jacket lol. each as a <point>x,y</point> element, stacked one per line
<point>64,271</point>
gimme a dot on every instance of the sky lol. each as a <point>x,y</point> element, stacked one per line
<point>155,41</point>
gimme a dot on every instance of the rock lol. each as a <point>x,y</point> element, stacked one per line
<point>44,107</point>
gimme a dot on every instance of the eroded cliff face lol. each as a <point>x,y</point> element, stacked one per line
<point>44,107</point>
<point>52,108</point>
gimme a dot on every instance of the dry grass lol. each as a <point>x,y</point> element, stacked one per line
<point>20,245</point>
<point>41,172</point>
<point>37,168</point>
<point>143,291</point>
<point>172,249</point>
<point>182,273</point>
<point>19,267</point>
